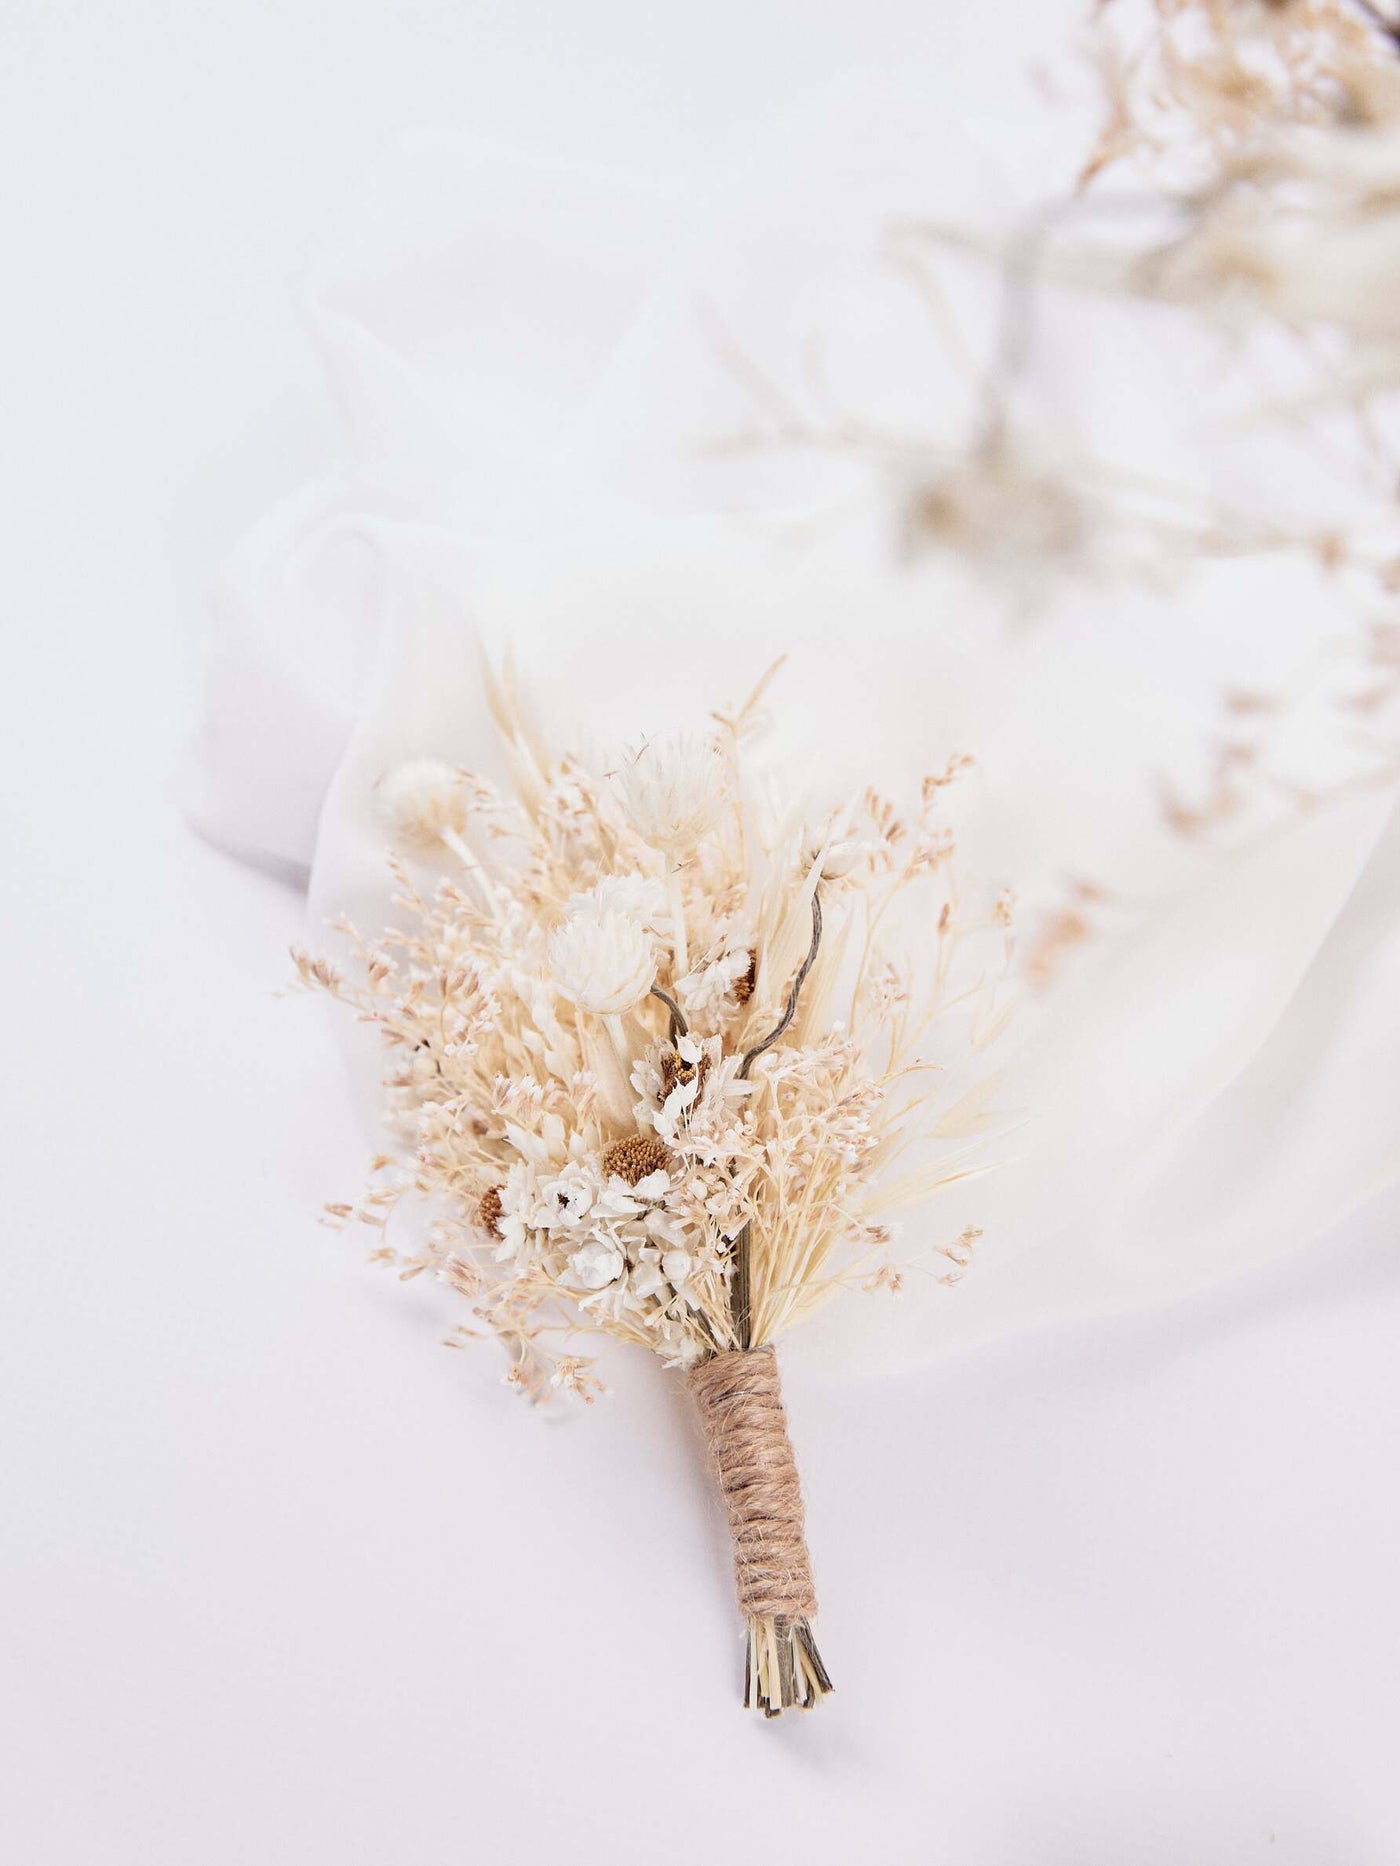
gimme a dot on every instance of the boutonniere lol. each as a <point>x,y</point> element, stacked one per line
<point>657,1072</point>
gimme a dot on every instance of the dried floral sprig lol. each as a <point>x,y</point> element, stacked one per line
<point>1188,84</point>
<point>1036,513</point>
<point>654,1073</point>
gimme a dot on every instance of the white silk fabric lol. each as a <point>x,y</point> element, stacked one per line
<point>559,394</point>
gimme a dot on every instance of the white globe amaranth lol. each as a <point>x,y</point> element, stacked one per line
<point>673,789</point>
<point>643,897</point>
<point>423,798</point>
<point>602,958</point>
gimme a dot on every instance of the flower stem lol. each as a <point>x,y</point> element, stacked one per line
<point>677,904</point>
<point>617,1035</point>
<point>473,868</point>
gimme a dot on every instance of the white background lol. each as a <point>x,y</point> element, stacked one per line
<point>284,1582</point>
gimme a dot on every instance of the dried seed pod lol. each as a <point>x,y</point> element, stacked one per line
<point>676,1072</point>
<point>743,987</point>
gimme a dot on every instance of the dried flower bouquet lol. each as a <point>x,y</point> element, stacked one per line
<point>653,1073</point>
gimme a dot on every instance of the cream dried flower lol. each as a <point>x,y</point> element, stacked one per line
<point>602,958</point>
<point>720,986</point>
<point>596,1264</point>
<point>673,790</point>
<point>428,805</point>
<point>641,897</point>
<point>676,1266</point>
<point>422,799</point>
<point>565,1198</point>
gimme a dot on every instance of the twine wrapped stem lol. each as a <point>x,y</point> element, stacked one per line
<point>740,1402</point>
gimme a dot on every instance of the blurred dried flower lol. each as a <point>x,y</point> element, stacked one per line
<point>423,798</point>
<point>1190,82</point>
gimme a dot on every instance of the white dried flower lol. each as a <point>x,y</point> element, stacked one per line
<point>422,799</point>
<point>646,1279</point>
<point>712,991</point>
<point>673,790</point>
<point>641,897</point>
<point>676,1267</point>
<point>595,1264</point>
<point>602,959</point>
<point>844,855</point>
<point>565,1198</point>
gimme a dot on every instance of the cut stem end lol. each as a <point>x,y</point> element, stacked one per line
<point>783,1669</point>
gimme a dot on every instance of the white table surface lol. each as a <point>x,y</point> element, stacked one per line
<point>275,1570</point>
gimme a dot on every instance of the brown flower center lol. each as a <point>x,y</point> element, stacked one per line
<point>677,1073</point>
<point>636,1157</point>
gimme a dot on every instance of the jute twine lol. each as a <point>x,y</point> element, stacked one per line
<point>741,1410</point>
